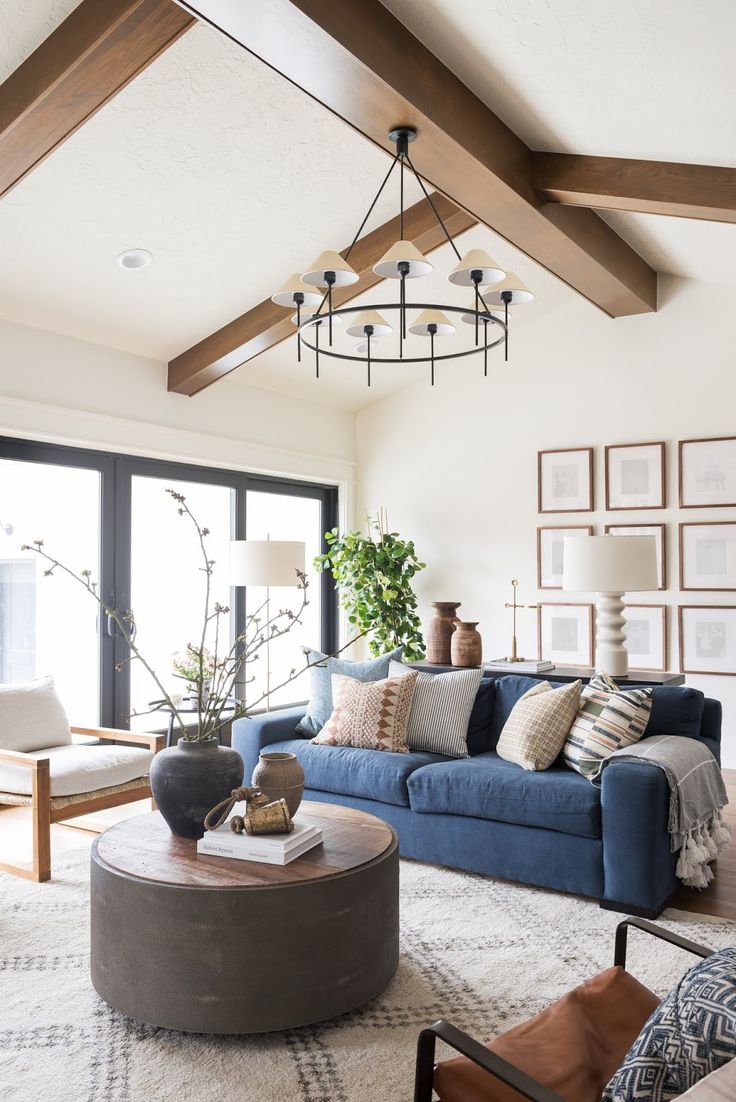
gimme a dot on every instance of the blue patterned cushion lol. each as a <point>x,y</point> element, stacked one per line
<point>690,1034</point>
<point>319,708</point>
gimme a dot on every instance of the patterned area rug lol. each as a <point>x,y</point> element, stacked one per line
<point>480,952</point>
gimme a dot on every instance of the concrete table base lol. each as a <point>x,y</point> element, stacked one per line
<point>236,956</point>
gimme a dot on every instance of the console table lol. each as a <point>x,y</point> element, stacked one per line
<point>564,673</point>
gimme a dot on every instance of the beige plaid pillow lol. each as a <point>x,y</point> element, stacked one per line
<point>371,715</point>
<point>535,732</point>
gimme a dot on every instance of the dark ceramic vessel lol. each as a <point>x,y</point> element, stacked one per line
<point>188,779</point>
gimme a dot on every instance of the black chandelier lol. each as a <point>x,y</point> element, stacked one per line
<point>311,294</point>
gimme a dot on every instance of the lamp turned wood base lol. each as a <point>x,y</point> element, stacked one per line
<point>611,655</point>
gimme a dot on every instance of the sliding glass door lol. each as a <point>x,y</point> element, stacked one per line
<point>112,515</point>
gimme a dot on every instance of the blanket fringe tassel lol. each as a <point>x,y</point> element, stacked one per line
<point>701,846</point>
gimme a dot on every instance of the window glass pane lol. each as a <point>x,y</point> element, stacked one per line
<point>285,517</point>
<point>168,581</point>
<point>49,625</point>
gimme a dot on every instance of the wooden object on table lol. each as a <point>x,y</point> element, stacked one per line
<point>466,645</point>
<point>209,944</point>
<point>439,632</point>
<point>566,674</point>
<point>280,775</point>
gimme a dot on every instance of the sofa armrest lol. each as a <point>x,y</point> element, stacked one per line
<point>255,733</point>
<point>638,862</point>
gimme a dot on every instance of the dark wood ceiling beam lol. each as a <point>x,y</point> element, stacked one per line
<point>650,187</point>
<point>266,324</point>
<point>361,63</point>
<point>94,53</point>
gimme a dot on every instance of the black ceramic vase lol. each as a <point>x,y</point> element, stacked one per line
<point>188,779</point>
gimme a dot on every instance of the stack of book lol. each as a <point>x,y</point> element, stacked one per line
<point>531,665</point>
<point>271,849</point>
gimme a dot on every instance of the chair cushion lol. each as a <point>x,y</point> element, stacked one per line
<point>487,787</point>
<point>76,768</point>
<point>369,716</point>
<point>571,1047</point>
<point>32,717</point>
<point>691,1033</point>
<point>319,708</point>
<point>372,774</point>
<point>535,732</point>
<point>441,709</point>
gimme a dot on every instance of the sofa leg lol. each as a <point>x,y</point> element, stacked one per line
<point>630,909</point>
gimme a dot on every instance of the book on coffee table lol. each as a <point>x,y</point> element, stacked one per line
<point>271,849</point>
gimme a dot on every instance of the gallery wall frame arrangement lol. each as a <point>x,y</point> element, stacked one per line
<point>659,531</point>
<point>635,476</point>
<point>550,550</point>
<point>708,556</point>
<point>707,639</point>
<point>707,472</point>
<point>646,637</point>
<point>565,480</point>
<point>565,633</point>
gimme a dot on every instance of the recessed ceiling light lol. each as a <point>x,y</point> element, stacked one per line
<point>135,258</point>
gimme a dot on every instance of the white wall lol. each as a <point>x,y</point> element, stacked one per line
<point>455,466</point>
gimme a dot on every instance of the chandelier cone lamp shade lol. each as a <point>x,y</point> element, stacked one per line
<point>610,566</point>
<point>402,262</point>
<point>295,292</point>
<point>511,292</point>
<point>268,564</point>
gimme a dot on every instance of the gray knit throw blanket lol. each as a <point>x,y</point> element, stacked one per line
<point>697,794</point>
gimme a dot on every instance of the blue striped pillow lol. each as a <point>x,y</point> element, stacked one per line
<point>440,711</point>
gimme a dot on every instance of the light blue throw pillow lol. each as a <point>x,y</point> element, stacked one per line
<point>319,708</point>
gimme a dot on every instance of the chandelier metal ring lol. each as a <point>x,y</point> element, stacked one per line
<point>321,321</point>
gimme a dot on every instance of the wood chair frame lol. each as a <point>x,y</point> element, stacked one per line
<point>502,1069</point>
<point>44,813</point>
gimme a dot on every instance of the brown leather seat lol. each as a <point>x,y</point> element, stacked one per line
<point>573,1047</point>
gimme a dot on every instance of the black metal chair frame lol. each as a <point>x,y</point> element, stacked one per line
<point>502,1069</point>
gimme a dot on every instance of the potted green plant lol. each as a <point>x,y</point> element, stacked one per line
<point>373,574</point>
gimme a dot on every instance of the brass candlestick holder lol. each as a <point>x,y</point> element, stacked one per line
<point>513,604</point>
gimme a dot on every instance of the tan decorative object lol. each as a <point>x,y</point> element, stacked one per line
<point>466,646</point>
<point>280,774</point>
<point>535,732</point>
<point>273,818</point>
<point>219,813</point>
<point>370,715</point>
<point>439,632</point>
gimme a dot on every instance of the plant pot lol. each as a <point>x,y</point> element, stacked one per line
<point>280,775</point>
<point>466,646</point>
<point>439,632</point>
<point>188,779</point>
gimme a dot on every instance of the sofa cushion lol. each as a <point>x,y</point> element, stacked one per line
<point>32,717</point>
<point>479,727</point>
<point>373,774</point>
<point>319,708</point>
<point>487,787</point>
<point>74,769</point>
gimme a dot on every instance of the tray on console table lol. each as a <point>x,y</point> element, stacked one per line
<point>564,673</point>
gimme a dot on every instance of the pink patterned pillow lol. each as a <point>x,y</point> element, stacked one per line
<point>370,715</point>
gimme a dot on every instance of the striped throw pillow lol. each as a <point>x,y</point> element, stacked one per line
<point>440,710</point>
<point>608,719</point>
<point>535,732</point>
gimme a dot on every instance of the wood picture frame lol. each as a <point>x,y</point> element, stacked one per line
<point>640,480</point>
<point>715,562</point>
<point>548,570</point>
<point>706,472</point>
<point>712,650</point>
<point>580,654</point>
<point>659,531</point>
<point>657,621</point>
<point>565,480</point>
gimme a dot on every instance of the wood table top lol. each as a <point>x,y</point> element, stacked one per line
<point>143,846</point>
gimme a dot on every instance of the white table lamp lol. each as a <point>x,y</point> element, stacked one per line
<point>610,566</point>
<point>267,563</point>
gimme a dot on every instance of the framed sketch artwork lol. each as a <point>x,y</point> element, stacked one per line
<point>708,555</point>
<point>635,476</point>
<point>565,480</point>
<point>646,636</point>
<point>707,472</point>
<point>708,639</point>
<point>658,531</point>
<point>565,633</point>
<point>550,550</point>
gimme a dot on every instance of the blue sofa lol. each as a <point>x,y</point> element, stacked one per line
<point>554,828</point>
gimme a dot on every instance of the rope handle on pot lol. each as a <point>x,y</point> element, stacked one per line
<point>217,816</point>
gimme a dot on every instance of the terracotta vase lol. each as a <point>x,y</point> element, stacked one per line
<point>279,775</point>
<point>439,632</point>
<point>467,646</point>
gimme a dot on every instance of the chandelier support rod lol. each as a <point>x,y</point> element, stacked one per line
<point>428,197</point>
<point>316,350</point>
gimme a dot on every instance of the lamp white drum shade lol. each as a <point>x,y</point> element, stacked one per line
<point>266,562</point>
<point>610,564</point>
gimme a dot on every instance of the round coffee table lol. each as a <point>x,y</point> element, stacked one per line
<point>214,945</point>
